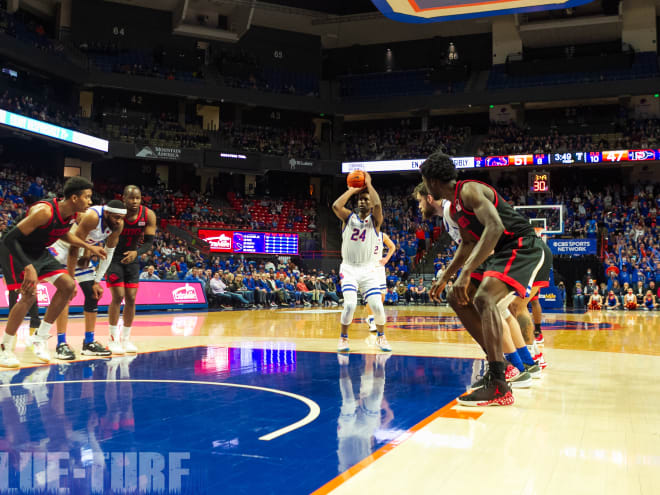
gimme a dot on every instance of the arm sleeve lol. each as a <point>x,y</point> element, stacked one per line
<point>104,264</point>
<point>146,245</point>
<point>12,241</point>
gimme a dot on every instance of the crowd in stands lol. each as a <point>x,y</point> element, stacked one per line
<point>293,142</point>
<point>514,139</point>
<point>241,69</point>
<point>159,130</point>
<point>393,143</point>
<point>511,139</point>
<point>35,108</point>
<point>109,57</point>
<point>28,30</point>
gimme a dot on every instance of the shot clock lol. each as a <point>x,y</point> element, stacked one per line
<point>539,182</point>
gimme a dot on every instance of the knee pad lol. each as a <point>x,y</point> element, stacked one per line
<point>350,305</point>
<point>91,305</point>
<point>377,308</point>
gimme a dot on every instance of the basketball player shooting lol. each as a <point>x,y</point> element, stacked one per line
<point>360,238</point>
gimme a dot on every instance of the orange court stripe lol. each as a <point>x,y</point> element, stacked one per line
<point>444,412</point>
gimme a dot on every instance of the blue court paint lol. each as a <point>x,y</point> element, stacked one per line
<point>365,402</point>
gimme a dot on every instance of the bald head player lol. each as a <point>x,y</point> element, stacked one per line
<point>124,272</point>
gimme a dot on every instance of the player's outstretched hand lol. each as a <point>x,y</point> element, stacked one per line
<point>367,179</point>
<point>460,289</point>
<point>98,251</point>
<point>30,280</point>
<point>129,257</point>
<point>436,290</point>
<point>355,190</point>
<point>97,290</point>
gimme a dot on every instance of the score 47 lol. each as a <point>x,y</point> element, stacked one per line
<point>615,156</point>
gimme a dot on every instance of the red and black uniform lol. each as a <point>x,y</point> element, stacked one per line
<point>520,259</point>
<point>127,274</point>
<point>35,247</point>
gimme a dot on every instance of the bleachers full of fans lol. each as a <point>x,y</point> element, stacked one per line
<point>401,143</point>
<point>296,142</point>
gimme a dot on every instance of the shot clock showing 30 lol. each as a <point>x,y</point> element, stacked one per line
<point>539,182</point>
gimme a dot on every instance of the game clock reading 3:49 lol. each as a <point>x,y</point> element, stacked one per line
<point>539,182</point>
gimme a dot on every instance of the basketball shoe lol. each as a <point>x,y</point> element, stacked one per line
<point>540,361</point>
<point>7,357</point>
<point>94,349</point>
<point>513,376</point>
<point>383,344</point>
<point>534,370</point>
<point>343,346</point>
<point>494,392</point>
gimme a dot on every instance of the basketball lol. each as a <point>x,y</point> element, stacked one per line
<point>355,179</point>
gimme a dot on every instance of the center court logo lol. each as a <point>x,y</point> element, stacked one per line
<point>223,241</point>
<point>186,293</point>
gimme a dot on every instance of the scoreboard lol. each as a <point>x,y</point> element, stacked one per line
<point>230,241</point>
<point>532,159</point>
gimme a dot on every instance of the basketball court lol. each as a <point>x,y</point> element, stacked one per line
<point>258,401</point>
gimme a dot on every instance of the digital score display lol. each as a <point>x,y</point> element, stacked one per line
<point>229,241</point>
<point>560,158</point>
<point>539,182</point>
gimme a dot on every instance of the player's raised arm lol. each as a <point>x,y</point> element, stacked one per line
<point>374,198</point>
<point>478,198</point>
<point>339,206</point>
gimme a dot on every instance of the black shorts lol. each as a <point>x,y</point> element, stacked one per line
<point>520,264</point>
<point>543,276</point>
<point>123,275</point>
<point>47,267</point>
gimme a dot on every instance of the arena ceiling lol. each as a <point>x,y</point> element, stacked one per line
<point>344,23</point>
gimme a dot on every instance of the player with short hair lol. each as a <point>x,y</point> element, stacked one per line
<point>517,374</point>
<point>488,224</point>
<point>360,240</point>
<point>123,275</point>
<point>99,224</point>
<point>25,261</point>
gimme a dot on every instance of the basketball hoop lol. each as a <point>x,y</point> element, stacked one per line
<point>540,232</point>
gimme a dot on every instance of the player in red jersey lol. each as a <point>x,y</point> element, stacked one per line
<point>25,261</point>
<point>124,271</point>
<point>487,224</point>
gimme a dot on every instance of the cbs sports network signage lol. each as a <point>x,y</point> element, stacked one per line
<point>469,162</point>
